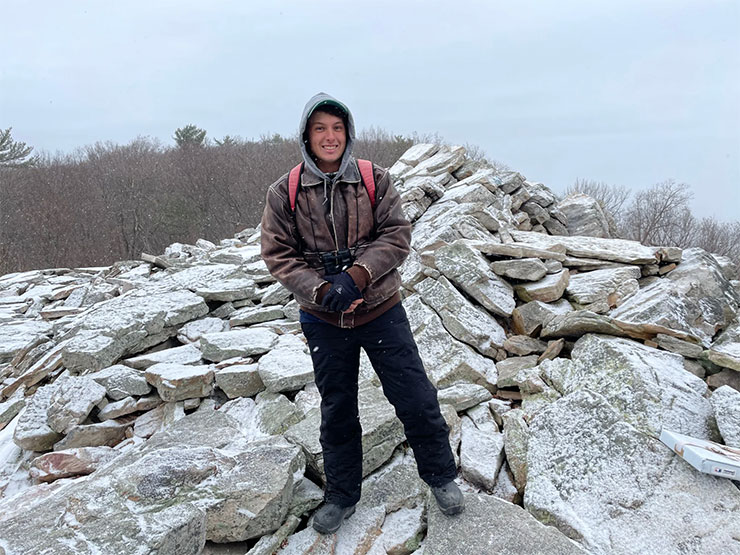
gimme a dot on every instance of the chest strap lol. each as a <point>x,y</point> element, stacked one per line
<point>366,172</point>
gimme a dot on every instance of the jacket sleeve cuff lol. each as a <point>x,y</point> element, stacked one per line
<point>360,276</point>
<point>322,291</point>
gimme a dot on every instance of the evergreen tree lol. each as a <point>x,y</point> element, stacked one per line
<point>190,136</point>
<point>14,154</point>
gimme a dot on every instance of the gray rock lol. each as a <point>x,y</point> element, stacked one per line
<point>239,380</point>
<point>464,321</point>
<point>355,535</point>
<point>615,250</point>
<point>523,345</point>
<point>481,453</point>
<point>306,497</point>
<point>121,381</point>
<point>418,153</point>
<point>287,367</point>
<point>693,300</point>
<point>529,318</point>
<point>535,212</point>
<point>158,419</point>
<point>547,290</point>
<point>446,360</point>
<point>446,160</point>
<point>648,480</point>
<point>401,533</point>
<point>516,438</point>
<point>490,525</point>
<point>16,336</point>
<point>498,408</point>
<point>10,409</point>
<point>113,328</point>
<point>118,408</point>
<point>469,271</point>
<point>585,216</point>
<point>275,413</point>
<point>726,404</point>
<point>608,287</point>
<point>505,488</point>
<point>683,348</point>
<point>187,354</point>
<point>270,544</point>
<point>527,269</point>
<point>228,290</point>
<point>725,351</point>
<point>725,377</point>
<point>192,482</point>
<point>32,431</point>
<point>108,433</point>
<point>395,485</point>
<point>175,382</point>
<point>381,431</point>
<point>510,367</point>
<point>236,343</point>
<point>255,314</point>
<point>648,387</point>
<point>580,322</point>
<point>463,396</point>
<point>192,331</point>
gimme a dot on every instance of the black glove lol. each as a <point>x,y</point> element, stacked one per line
<point>343,291</point>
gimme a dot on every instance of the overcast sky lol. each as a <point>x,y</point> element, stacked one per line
<point>629,93</point>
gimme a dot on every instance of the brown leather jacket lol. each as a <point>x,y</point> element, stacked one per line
<point>344,218</point>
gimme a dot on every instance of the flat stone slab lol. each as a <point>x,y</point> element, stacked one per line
<point>71,462</point>
<point>239,380</point>
<point>469,271</point>
<point>464,395</point>
<point>236,343</point>
<point>287,367</point>
<point>121,381</point>
<point>547,290</point>
<point>464,321</point>
<point>529,318</point>
<point>725,351</point>
<point>176,382</point>
<point>609,287</point>
<point>187,354</point>
<point>255,314</point>
<point>32,432</point>
<point>616,250</point>
<point>192,331</point>
<point>526,269</point>
<point>585,216</point>
<point>481,453</point>
<point>16,336</point>
<point>108,433</point>
<point>491,525</point>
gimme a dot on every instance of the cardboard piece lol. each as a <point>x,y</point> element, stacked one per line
<point>706,456</point>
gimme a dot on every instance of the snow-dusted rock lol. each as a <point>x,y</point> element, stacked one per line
<point>463,396</point>
<point>526,269</point>
<point>255,314</point>
<point>604,288</point>
<point>192,331</point>
<point>585,216</point>
<point>175,382</point>
<point>356,534</point>
<point>695,299</point>
<point>481,452</point>
<point>287,367</point>
<point>401,532</point>
<point>529,318</point>
<point>233,289</point>
<point>121,381</point>
<point>464,321</point>
<point>516,438</point>
<point>72,462</point>
<point>725,351</point>
<point>107,433</point>
<point>726,404</point>
<point>547,290</point>
<point>239,380</point>
<point>468,270</point>
<point>33,431</point>
<point>621,492</point>
<point>236,343</point>
<point>187,354</point>
<point>15,336</point>
<point>490,525</point>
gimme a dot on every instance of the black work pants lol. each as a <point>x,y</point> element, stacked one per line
<point>392,351</point>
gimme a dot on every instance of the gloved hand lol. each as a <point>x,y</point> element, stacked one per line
<point>343,291</point>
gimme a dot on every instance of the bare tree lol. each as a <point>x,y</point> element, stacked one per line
<point>654,214</point>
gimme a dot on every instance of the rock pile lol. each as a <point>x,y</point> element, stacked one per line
<point>167,406</point>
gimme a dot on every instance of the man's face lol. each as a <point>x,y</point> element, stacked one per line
<point>327,138</point>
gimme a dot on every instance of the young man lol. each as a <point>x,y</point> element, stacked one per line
<point>338,253</point>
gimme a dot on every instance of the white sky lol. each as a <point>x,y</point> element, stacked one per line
<point>630,92</point>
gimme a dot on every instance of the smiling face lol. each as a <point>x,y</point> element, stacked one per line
<point>327,138</point>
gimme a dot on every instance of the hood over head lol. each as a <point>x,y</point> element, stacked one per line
<point>318,100</point>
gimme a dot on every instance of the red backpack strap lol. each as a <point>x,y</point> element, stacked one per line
<point>368,178</point>
<point>294,178</point>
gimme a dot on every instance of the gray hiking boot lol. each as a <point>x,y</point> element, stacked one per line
<point>449,498</point>
<point>328,518</point>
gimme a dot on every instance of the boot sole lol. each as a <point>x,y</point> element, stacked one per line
<point>454,510</point>
<point>322,530</point>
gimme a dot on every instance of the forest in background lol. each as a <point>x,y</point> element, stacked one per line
<point>108,202</point>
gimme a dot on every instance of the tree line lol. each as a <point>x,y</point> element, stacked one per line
<point>107,202</point>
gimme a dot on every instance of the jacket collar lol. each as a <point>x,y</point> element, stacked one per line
<point>350,175</point>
